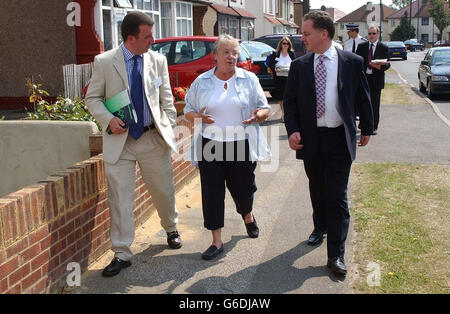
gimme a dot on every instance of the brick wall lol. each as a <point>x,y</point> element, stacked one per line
<point>64,219</point>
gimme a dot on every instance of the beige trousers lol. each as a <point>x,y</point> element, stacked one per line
<point>153,155</point>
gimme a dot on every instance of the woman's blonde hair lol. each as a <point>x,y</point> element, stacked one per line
<point>280,43</point>
<point>224,38</point>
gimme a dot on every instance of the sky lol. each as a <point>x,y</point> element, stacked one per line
<point>346,6</point>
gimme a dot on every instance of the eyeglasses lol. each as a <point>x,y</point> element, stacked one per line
<point>373,33</point>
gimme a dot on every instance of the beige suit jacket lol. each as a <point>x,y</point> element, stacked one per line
<point>110,78</point>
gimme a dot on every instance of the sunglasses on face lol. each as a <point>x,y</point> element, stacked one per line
<point>286,44</point>
<point>372,33</point>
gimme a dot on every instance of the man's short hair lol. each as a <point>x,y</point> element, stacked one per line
<point>321,20</point>
<point>132,21</point>
<point>374,25</point>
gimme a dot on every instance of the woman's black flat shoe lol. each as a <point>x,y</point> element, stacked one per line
<point>212,252</point>
<point>252,229</point>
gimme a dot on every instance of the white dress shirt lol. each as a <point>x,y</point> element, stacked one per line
<point>369,70</point>
<point>348,45</point>
<point>332,117</point>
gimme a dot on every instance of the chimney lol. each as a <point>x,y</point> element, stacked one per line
<point>305,6</point>
<point>369,6</point>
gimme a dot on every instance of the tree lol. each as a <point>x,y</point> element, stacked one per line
<point>440,14</point>
<point>400,3</point>
<point>404,31</point>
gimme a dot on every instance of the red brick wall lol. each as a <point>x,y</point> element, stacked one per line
<point>64,219</point>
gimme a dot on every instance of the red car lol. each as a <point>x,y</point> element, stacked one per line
<point>190,56</point>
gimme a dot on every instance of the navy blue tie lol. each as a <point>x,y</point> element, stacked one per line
<point>137,98</point>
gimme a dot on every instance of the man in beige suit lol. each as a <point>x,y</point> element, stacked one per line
<point>149,142</point>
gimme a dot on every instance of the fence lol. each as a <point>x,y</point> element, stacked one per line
<point>76,76</point>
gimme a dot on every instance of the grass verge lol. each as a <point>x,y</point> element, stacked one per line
<point>400,94</point>
<point>401,216</point>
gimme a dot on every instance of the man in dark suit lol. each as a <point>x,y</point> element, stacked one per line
<point>374,50</point>
<point>322,90</point>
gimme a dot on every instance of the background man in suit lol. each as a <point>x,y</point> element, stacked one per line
<point>145,74</point>
<point>322,90</point>
<point>372,50</point>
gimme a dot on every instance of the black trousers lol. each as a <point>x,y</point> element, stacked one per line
<point>238,176</point>
<point>328,176</point>
<point>375,95</point>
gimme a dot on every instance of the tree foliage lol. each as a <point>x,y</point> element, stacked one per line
<point>404,31</point>
<point>400,3</point>
<point>440,14</point>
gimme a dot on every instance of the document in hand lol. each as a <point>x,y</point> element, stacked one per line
<point>121,107</point>
<point>380,61</point>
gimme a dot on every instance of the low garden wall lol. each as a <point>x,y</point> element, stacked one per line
<point>33,150</point>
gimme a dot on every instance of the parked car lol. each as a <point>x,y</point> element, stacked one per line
<point>258,53</point>
<point>272,41</point>
<point>190,56</point>
<point>414,44</point>
<point>434,72</point>
<point>397,49</point>
<point>442,43</point>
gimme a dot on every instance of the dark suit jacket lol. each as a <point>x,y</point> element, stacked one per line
<point>381,52</point>
<point>300,102</point>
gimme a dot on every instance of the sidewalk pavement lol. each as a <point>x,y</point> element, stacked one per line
<point>279,261</point>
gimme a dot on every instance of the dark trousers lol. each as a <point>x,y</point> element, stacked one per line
<point>375,95</point>
<point>328,177</point>
<point>238,176</point>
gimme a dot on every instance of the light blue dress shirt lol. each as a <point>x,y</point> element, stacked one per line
<point>128,57</point>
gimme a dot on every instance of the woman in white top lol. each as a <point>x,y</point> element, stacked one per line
<point>230,103</point>
<point>279,64</point>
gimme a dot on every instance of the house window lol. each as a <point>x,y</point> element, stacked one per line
<point>113,13</point>
<point>183,18</point>
<point>342,25</point>
<point>424,38</point>
<point>166,19</point>
<point>234,27</point>
<point>425,21</point>
<point>392,22</point>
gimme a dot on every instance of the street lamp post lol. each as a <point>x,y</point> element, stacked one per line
<point>381,20</point>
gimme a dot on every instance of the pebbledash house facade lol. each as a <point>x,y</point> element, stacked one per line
<point>43,36</point>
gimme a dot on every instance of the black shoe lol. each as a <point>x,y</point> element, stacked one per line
<point>173,239</point>
<point>115,267</point>
<point>375,132</point>
<point>212,252</point>
<point>252,228</point>
<point>316,238</point>
<point>337,266</point>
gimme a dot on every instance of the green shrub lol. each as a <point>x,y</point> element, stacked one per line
<point>64,109</point>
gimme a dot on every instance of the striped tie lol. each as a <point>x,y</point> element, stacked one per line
<point>321,83</point>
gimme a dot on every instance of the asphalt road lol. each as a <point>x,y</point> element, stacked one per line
<point>408,70</point>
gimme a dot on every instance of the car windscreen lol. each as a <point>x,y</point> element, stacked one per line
<point>396,45</point>
<point>258,50</point>
<point>441,57</point>
<point>243,55</point>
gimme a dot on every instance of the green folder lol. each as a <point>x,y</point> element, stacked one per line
<point>121,107</point>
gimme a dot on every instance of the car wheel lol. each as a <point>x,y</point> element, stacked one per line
<point>430,95</point>
<point>405,58</point>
